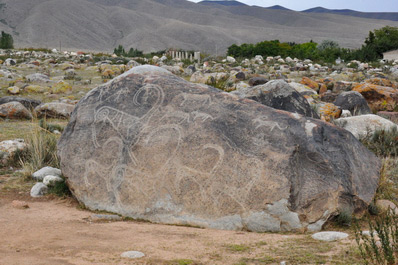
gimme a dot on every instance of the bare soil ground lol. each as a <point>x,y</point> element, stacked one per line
<point>59,231</point>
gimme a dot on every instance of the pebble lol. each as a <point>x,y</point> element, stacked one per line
<point>329,236</point>
<point>132,254</point>
<point>20,204</point>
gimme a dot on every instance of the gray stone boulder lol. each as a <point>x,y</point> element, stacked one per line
<point>8,149</point>
<point>38,190</point>
<point>354,102</point>
<point>279,95</point>
<point>54,110</point>
<point>27,102</point>
<point>153,146</point>
<point>255,81</point>
<point>46,171</point>
<point>365,125</point>
<point>14,110</point>
<point>37,77</point>
<point>329,236</point>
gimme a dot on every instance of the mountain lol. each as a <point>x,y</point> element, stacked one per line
<point>153,25</point>
<point>348,12</point>
<point>277,7</point>
<point>224,3</point>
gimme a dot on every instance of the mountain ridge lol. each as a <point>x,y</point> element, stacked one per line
<point>153,25</point>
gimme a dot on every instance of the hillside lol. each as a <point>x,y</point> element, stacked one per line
<point>348,12</point>
<point>152,25</point>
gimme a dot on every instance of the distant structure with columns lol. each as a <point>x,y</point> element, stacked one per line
<point>183,55</point>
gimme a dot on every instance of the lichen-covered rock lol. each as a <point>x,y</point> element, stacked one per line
<point>310,83</point>
<point>13,90</point>
<point>354,102</point>
<point>151,145</point>
<point>379,97</point>
<point>61,87</point>
<point>8,149</point>
<point>392,116</point>
<point>35,89</point>
<point>37,77</point>
<point>328,111</point>
<point>279,95</point>
<point>14,110</point>
<point>54,110</point>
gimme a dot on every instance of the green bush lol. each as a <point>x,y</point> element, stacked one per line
<point>6,41</point>
<point>381,245</point>
<point>382,143</point>
<point>41,151</point>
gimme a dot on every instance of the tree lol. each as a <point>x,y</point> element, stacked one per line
<point>6,41</point>
<point>119,51</point>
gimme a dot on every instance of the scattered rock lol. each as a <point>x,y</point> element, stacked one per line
<point>255,81</point>
<point>9,147</point>
<point>38,190</point>
<point>363,125</point>
<point>46,171</point>
<point>379,98</point>
<point>354,102</point>
<point>386,205</point>
<point>279,95</point>
<point>14,90</point>
<point>328,111</point>
<point>20,204</point>
<point>14,110</point>
<point>392,116</point>
<point>132,254</point>
<point>37,78</point>
<point>54,110</point>
<point>50,180</point>
<point>160,148</point>
<point>329,236</point>
<point>27,102</point>
<point>61,87</point>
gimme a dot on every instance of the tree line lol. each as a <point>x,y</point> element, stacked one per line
<point>378,42</point>
<point>6,41</point>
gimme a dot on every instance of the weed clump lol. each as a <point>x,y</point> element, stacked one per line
<point>383,143</point>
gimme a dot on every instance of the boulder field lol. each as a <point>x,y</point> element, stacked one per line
<point>150,145</point>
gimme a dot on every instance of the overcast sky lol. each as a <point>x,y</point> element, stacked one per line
<point>359,5</point>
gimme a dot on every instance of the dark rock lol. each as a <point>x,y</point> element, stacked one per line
<point>153,146</point>
<point>279,95</point>
<point>27,102</point>
<point>354,102</point>
<point>329,97</point>
<point>255,81</point>
<point>240,76</point>
<point>54,110</point>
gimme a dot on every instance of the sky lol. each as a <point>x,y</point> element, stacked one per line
<point>359,5</point>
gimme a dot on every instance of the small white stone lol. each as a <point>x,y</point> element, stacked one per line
<point>45,171</point>
<point>329,236</point>
<point>38,190</point>
<point>50,180</point>
<point>132,254</point>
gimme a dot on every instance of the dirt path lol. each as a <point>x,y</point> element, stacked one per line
<point>53,231</point>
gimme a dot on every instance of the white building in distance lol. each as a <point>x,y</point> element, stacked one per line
<point>390,55</point>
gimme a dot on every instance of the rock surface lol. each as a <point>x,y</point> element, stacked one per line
<point>14,110</point>
<point>279,95</point>
<point>132,254</point>
<point>38,190</point>
<point>51,180</point>
<point>153,146</point>
<point>354,102</point>
<point>27,102</point>
<point>363,125</point>
<point>329,236</point>
<point>54,110</point>
<point>46,171</point>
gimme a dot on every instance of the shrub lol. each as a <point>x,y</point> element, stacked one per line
<point>41,151</point>
<point>382,143</point>
<point>59,189</point>
<point>381,245</point>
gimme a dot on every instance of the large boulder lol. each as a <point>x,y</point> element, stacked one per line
<point>27,102</point>
<point>380,98</point>
<point>153,146</point>
<point>354,102</point>
<point>279,95</point>
<point>365,125</point>
<point>54,110</point>
<point>14,110</point>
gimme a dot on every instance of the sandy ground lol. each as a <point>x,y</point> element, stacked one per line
<point>55,231</point>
